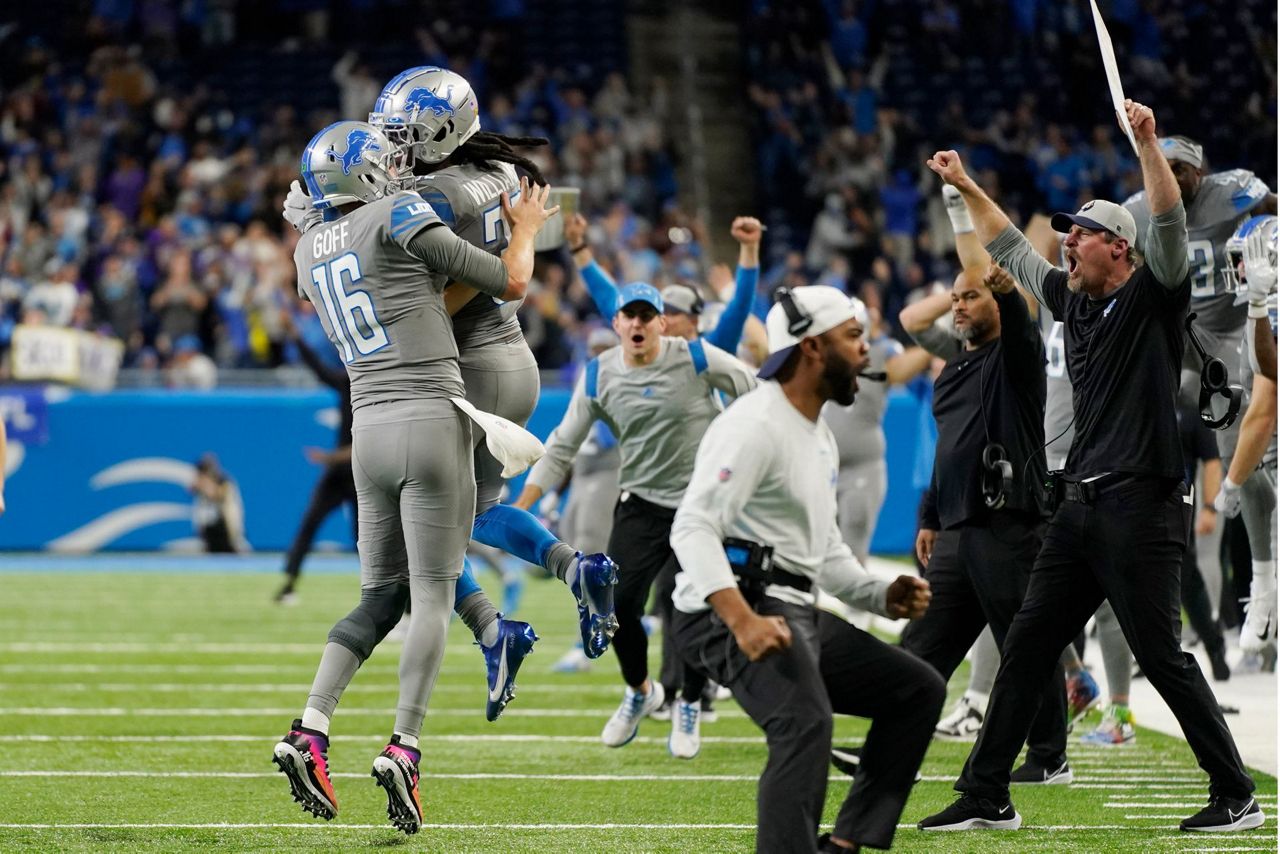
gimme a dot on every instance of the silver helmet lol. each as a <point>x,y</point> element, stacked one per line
<point>346,162</point>
<point>426,112</point>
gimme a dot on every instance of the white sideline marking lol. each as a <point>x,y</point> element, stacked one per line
<point>118,712</point>
<point>189,648</point>
<point>288,688</point>
<point>334,826</point>
<point>275,669</point>
<point>378,739</point>
<point>239,775</point>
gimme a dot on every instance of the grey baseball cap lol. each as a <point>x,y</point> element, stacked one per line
<point>1099,215</point>
<point>682,298</point>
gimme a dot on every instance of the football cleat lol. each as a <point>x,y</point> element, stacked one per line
<point>502,661</point>
<point>625,722</point>
<point>303,757</point>
<point>1082,695</point>
<point>686,734</point>
<point>1116,728</point>
<point>963,724</point>
<point>396,770</point>
<point>1259,629</point>
<point>593,588</point>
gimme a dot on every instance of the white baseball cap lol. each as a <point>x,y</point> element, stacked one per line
<point>814,310</point>
<point>1099,215</point>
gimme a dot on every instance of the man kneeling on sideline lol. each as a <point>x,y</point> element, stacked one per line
<point>756,535</point>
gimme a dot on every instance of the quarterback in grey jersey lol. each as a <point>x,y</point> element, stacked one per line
<point>376,272</point>
<point>1215,204</point>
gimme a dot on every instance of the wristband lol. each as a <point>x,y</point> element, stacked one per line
<point>574,250</point>
<point>1257,310</point>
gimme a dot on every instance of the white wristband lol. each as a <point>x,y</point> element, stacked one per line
<point>1257,310</point>
<point>957,210</point>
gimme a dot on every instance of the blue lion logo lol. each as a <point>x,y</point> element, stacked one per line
<point>422,99</point>
<point>358,142</point>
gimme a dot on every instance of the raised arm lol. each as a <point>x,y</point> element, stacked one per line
<point>604,293</point>
<point>728,332</point>
<point>1166,239</point>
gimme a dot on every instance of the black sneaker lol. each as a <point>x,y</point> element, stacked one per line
<point>1225,815</point>
<point>849,759</point>
<point>1034,774</point>
<point>970,813</point>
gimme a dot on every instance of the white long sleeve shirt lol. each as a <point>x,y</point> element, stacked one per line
<point>766,473</point>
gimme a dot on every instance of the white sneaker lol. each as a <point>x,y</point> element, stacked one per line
<point>962,724</point>
<point>686,736</point>
<point>1259,629</point>
<point>624,724</point>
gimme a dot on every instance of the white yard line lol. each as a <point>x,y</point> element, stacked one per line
<point>197,712</point>
<point>380,739</point>
<point>327,826</point>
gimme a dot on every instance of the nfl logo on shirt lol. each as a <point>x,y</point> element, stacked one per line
<point>725,474</point>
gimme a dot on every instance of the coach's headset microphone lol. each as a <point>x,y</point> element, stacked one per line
<point>1214,382</point>
<point>798,322</point>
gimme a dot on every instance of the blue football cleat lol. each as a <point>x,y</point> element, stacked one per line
<point>593,588</point>
<point>502,661</point>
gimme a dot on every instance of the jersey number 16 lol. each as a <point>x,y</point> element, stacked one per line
<point>351,316</point>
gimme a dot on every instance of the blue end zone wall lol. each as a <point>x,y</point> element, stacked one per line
<point>110,471</point>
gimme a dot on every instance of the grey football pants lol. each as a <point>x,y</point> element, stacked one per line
<point>860,493</point>
<point>415,494</point>
<point>501,379</point>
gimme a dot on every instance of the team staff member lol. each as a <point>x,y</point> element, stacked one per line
<point>657,395</point>
<point>990,394</point>
<point>337,485</point>
<point>1121,529</point>
<point>766,473</point>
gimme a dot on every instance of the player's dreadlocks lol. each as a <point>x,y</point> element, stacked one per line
<point>484,147</point>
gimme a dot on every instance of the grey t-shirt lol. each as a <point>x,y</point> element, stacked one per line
<point>467,199</point>
<point>1058,409</point>
<point>657,411</point>
<point>381,304</point>
<point>859,427</point>
<point>1221,204</point>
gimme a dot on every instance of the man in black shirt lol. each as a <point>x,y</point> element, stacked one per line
<point>979,535</point>
<point>1121,529</point>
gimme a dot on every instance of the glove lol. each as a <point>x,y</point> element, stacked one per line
<point>298,211</point>
<point>1259,272</point>
<point>1228,501</point>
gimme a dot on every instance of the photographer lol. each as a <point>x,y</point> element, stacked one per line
<point>766,474</point>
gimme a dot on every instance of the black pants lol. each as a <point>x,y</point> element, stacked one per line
<point>830,667</point>
<point>641,546</point>
<point>335,486</point>
<point>1127,546</point>
<point>978,575</point>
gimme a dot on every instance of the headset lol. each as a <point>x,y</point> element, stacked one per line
<point>1214,382</point>
<point>797,320</point>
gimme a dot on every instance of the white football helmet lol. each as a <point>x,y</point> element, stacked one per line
<point>346,162</point>
<point>426,112</point>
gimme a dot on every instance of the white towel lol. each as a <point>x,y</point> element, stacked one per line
<point>512,445</point>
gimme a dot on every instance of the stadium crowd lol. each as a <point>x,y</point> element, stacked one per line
<point>140,200</point>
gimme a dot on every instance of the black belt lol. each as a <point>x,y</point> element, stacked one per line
<point>790,579</point>
<point>1087,492</point>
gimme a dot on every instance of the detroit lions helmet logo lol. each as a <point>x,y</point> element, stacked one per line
<point>422,99</point>
<point>358,142</point>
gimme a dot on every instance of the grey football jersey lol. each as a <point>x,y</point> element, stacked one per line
<point>1249,365</point>
<point>859,427</point>
<point>658,412</point>
<point>381,307</point>
<point>1058,409</point>
<point>1222,203</point>
<point>467,199</point>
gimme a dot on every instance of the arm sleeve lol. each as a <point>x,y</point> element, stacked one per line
<point>728,373</point>
<point>445,252</point>
<point>937,341</point>
<point>563,443</point>
<point>1166,247</point>
<point>602,289</point>
<point>848,580</point>
<point>1023,346</point>
<point>728,332</point>
<point>713,500</point>
<point>1011,250</point>
<point>334,379</point>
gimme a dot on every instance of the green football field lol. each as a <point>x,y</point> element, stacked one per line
<point>138,713</point>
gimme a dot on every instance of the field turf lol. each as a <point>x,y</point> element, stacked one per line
<point>138,713</point>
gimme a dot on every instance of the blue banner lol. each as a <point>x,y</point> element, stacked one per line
<point>91,472</point>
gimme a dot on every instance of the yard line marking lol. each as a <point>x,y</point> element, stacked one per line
<point>336,826</point>
<point>269,738</point>
<point>119,712</point>
<point>238,775</point>
<point>181,648</point>
<point>1115,783</point>
<point>274,669</point>
<point>285,688</point>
